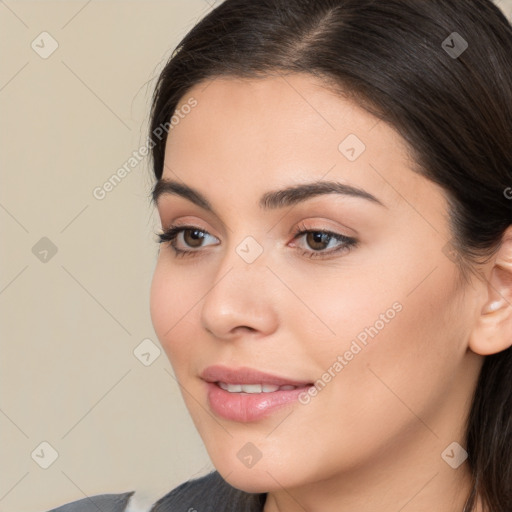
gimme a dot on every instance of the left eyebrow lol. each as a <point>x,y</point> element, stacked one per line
<point>270,200</point>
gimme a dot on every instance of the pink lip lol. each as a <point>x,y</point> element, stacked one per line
<point>247,407</point>
<point>246,375</point>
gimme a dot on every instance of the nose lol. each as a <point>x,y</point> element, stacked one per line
<point>241,298</point>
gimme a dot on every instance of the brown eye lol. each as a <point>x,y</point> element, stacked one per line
<point>190,239</point>
<point>318,240</point>
<point>194,238</point>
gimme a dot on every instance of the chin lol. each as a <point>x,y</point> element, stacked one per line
<point>266,474</point>
<point>253,480</point>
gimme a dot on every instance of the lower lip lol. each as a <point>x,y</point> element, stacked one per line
<point>246,407</point>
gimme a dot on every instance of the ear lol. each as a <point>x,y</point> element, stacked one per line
<point>492,332</point>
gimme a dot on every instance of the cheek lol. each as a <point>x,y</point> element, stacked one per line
<point>344,310</point>
<point>397,335</point>
<point>161,301</point>
<point>405,363</point>
<point>174,309</point>
<point>388,308</point>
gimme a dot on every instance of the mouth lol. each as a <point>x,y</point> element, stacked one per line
<point>246,394</point>
<point>249,378</point>
<point>253,388</point>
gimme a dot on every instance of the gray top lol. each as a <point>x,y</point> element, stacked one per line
<point>210,493</point>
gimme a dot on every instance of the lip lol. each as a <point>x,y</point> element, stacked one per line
<point>248,407</point>
<point>246,375</point>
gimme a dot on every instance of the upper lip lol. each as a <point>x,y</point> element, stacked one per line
<point>245,375</point>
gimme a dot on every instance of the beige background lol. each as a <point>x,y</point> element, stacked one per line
<point>70,324</point>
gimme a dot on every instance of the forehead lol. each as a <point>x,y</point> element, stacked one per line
<point>281,107</point>
<point>280,129</point>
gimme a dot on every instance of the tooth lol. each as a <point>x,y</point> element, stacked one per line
<point>232,388</point>
<point>254,388</point>
<point>251,388</point>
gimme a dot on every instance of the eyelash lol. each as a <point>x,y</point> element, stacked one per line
<point>172,232</point>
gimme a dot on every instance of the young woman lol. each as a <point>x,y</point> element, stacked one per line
<point>334,283</point>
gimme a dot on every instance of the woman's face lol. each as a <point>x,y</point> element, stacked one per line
<point>380,324</point>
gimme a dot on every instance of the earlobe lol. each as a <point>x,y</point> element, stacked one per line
<point>492,332</point>
<point>495,305</point>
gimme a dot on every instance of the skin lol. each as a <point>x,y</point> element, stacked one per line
<point>372,439</point>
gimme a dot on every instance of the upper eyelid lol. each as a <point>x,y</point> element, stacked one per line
<point>184,227</point>
<point>297,232</point>
<point>317,218</point>
<point>178,229</point>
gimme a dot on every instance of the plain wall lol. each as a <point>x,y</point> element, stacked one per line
<point>71,321</point>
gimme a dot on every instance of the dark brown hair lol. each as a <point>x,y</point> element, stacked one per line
<point>448,95</point>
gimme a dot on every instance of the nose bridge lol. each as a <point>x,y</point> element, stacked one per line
<point>246,257</point>
<point>238,295</point>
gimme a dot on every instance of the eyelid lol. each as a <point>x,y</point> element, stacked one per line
<point>176,229</point>
<point>320,223</point>
<point>347,241</point>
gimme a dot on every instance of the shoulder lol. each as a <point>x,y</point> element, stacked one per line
<point>103,502</point>
<point>210,493</point>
